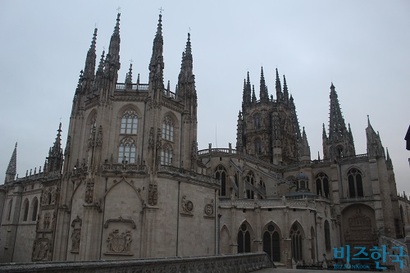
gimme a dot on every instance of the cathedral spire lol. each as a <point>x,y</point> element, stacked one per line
<point>337,126</point>
<point>128,77</point>
<point>304,147</point>
<point>112,61</point>
<point>246,99</point>
<point>340,140</point>
<point>278,87</point>
<point>186,74</point>
<point>253,94</point>
<point>89,68</point>
<point>263,94</point>
<point>12,167</point>
<point>374,143</point>
<point>55,154</point>
<point>285,89</point>
<point>156,66</point>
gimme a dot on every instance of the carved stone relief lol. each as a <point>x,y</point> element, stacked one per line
<point>119,243</point>
<point>152,195</point>
<point>41,249</point>
<point>76,235</point>
<point>187,206</point>
<point>119,240</point>
<point>89,191</point>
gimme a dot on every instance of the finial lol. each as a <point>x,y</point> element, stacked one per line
<point>160,10</point>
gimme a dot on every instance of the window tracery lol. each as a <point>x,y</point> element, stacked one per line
<point>129,123</point>
<point>127,151</point>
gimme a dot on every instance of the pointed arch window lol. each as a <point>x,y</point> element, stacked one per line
<point>271,242</point>
<point>327,236</point>
<point>25,209</point>
<point>166,155</point>
<point>296,242</point>
<point>258,146</point>
<point>129,123</point>
<point>34,209</point>
<point>250,184</point>
<point>220,174</point>
<point>354,177</point>
<point>127,151</point>
<point>244,239</point>
<point>322,185</point>
<point>168,129</point>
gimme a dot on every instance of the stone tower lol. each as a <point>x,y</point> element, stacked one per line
<point>127,144</point>
<point>339,143</point>
<point>268,128</point>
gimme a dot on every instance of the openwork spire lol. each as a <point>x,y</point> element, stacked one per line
<point>337,126</point>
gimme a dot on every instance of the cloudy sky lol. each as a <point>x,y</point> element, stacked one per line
<point>363,47</point>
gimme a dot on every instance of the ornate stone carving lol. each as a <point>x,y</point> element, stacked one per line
<point>49,196</point>
<point>120,220</point>
<point>89,191</point>
<point>47,220</point>
<point>152,195</point>
<point>76,235</point>
<point>187,206</point>
<point>119,243</point>
<point>41,249</point>
<point>151,138</point>
<point>99,139</point>
<point>209,209</point>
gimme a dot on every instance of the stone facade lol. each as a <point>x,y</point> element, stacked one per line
<point>131,182</point>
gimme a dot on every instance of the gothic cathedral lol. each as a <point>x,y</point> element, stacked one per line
<point>131,182</point>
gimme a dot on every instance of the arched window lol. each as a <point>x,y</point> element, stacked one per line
<point>250,183</point>
<point>220,174</point>
<point>129,123</point>
<point>166,155</point>
<point>322,185</point>
<point>25,208</point>
<point>296,242</point>
<point>127,151</point>
<point>258,146</point>
<point>327,235</point>
<point>244,239</point>
<point>168,129</point>
<point>271,242</point>
<point>34,208</point>
<point>354,177</point>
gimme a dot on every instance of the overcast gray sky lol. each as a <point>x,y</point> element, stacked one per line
<point>363,47</point>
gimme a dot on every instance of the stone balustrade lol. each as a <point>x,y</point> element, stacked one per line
<point>241,263</point>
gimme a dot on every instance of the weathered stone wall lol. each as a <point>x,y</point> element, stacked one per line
<point>240,263</point>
